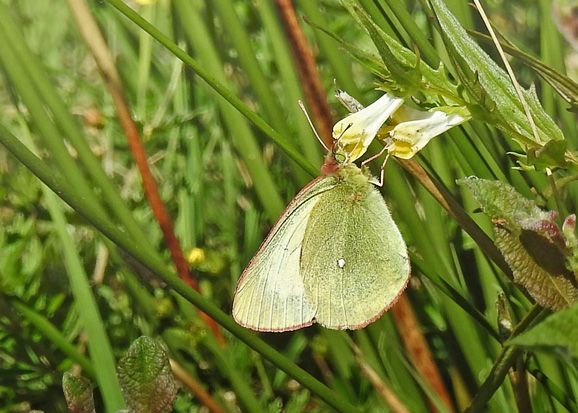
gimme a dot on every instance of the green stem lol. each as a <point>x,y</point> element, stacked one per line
<point>223,361</point>
<point>502,365</point>
<point>99,345</point>
<point>216,85</point>
<point>31,70</point>
<point>52,333</point>
<point>95,216</point>
<point>556,392</point>
<point>407,21</point>
<point>239,129</point>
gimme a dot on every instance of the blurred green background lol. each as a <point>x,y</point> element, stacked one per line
<point>224,183</point>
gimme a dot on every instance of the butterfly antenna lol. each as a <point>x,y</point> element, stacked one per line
<point>340,136</point>
<point>312,127</point>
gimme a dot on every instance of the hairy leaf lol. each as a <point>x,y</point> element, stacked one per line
<point>78,393</point>
<point>509,114</point>
<point>146,379</point>
<point>538,265</point>
<point>530,240</point>
<point>401,70</point>
<point>564,85</point>
<point>501,201</point>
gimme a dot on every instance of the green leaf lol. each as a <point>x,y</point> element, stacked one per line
<point>509,114</point>
<point>556,335</point>
<point>530,240</point>
<point>406,76</point>
<point>552,153</point>
<point>564,86</point>
<point>538,265</point>
<point>78,393</point>
<point>402,71</point>
<point>146,379</point>
<point>501,201</point>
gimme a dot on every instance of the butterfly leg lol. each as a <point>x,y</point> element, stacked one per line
<point>377,155</point>
<point>382,176</point>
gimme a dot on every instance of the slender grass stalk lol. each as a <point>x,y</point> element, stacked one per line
<point>239,384</point>
<point>195,388</point>
<point>292,86</point>
<point>381,386</point>
<point>52,137</point>
<point>268,102</point>
<point>100,349</point>
<point>97,46</point>
<point>502,365</point>
<point>391,359</point>
<point>309,76</point>
<point>426,50</point>
<point>46,91</point>
<point>144,65</point>
<point>418,349</point>
<point>53,334</point>
<point>94,216</point>
<point>239,130</point>
<point>215,84</point>
<point>248,59</point>
<point>551,53</point>
<point>565,399</point>
<point>379,13</point>
<point>329,48</point>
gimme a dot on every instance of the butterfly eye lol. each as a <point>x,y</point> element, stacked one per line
<point>340,157</point>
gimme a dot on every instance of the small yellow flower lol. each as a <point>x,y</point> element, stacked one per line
<point>196,257</point>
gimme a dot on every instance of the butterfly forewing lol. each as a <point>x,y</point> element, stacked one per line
<point>270,294</point>
<point>354,261</point>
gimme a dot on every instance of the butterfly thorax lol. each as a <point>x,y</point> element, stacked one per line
<point>357,179</point>
<point>351,184</point>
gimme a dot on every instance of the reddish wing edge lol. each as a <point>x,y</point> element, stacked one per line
<point>387,307</point>
<point>263,245</point>
<point>314,321</point>
<point>276,227</point>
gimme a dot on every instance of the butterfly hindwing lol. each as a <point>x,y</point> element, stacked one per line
<point>354,261</point>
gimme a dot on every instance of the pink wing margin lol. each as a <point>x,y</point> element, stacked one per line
<point>270,293</point>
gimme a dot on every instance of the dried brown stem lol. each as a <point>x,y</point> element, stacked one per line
<point>418,349</point>
<point>195,387</point>
<point>519,379</point>
<point>97,45</point>
<point>308,73</point>
<point>384,391</point>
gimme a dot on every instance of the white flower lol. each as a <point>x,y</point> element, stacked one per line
<point>412,129</point>
<point>407,130</point>
<point>355,132</point>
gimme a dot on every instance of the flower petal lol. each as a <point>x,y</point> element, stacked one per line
<point>415,128</point>
<point>355,132</point>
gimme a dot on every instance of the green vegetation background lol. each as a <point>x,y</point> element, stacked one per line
<point>224,183</point>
